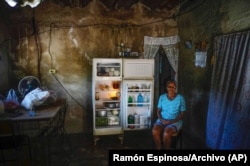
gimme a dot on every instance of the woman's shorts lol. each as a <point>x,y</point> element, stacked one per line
<point>176,125</point>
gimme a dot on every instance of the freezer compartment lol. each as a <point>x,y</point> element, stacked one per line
<point>107,69</point>
<point>138,69</point>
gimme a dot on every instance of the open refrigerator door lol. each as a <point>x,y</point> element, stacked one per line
<point>138,83</point>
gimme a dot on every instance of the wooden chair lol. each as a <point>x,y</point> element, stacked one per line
<point>11,144</point>
<point>177,138</point>
<point>56,129</point>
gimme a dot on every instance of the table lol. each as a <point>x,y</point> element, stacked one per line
<point>41,114</point>
<point>47,114</point>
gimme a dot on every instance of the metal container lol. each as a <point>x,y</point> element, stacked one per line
<point>102,113</point>
<point>109,104</point>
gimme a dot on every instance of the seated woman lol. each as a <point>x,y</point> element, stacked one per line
<point>170,110</point>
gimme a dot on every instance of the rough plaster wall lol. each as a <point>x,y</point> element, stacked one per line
<point>69,38</point>
<point>211,18</point>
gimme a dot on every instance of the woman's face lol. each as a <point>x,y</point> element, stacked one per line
<point>171,89</point>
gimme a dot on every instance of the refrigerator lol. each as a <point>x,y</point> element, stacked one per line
<point>115,80</point>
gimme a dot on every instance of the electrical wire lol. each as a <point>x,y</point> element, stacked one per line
<point>39,57</point>
<point>123,25</point>
<point>50,40</point>
<point>67,91</point>
<point>52,66</point>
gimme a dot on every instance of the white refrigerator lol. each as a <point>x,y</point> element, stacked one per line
<point>115,82</point>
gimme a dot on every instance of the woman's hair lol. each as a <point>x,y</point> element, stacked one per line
<point>171,81</point>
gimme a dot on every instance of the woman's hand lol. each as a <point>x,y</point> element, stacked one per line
<point>165,122</point>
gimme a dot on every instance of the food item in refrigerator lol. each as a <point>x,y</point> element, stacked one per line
<point>97,97</point>
<point>101,121</point>
<point>131,121</point>
<point>118,95</point>
<point>137,88</point>
<point>117,73</point>
<point>139,99</point>
<point>116,84</point>
<point>113,120</point>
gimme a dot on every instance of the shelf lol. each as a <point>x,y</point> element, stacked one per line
<point>138,104</point>
<point>107,126</point>
<point>138,90</point>
<point>137,126</point>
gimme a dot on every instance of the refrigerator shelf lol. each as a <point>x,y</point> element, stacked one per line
<point>107,126</point>
<point>138,104</point>
<point>137,126</point>
<point>138,90</point>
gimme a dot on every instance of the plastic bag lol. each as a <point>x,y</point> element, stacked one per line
<point>11,102</point>
<point>34,98</point>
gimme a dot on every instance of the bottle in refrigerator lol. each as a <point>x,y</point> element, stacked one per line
<point>131,121</point>
<point>140,99</point>
<point>130,101</point>
<point>137,120</point>
<point>146,98</point>
<point>134,100</point>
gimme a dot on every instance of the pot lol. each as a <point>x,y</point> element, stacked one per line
<point>109,105</point>
<point>101,113</point>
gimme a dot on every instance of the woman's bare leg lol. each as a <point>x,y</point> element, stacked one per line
<point>157,136</point>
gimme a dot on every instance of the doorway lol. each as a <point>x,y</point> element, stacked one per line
<point>163,72</point>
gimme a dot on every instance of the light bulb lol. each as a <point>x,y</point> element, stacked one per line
<point>12,3</point>
<point>32,4</point>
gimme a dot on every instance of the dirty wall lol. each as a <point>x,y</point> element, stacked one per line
<point>67,39</point>
<point>200,23</point>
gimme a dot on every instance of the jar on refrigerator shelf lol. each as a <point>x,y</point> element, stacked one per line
<point>97,97</point>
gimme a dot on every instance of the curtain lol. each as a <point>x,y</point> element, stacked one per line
<point>228,118</point>
<point>151,48</point>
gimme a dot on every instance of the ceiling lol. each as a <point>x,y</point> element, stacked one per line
<point>124,4</point>
<point>110,5</point>
<point>113,4</point>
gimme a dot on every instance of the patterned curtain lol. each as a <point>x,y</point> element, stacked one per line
<point>152,44</point>
<point>228,119</point>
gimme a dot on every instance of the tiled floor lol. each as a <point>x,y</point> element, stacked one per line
<point>79,149</point>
